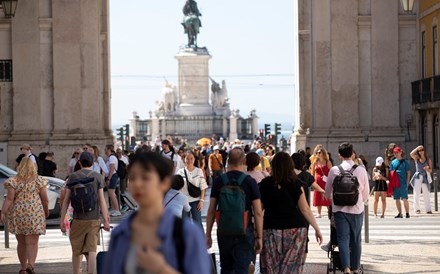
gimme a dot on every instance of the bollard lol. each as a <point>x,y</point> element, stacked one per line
<point>367,224</point>
<point>435,179</point>
<point>6,227</point>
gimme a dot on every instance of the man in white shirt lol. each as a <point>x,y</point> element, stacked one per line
<point>26,151</point>
<point>349,219</point>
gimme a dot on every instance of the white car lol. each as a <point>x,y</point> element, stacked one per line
<point>53,190</point>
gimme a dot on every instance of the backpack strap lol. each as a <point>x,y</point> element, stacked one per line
<point>341,170</point>
<point>241,179</point>
<point>225,178</point>
<point>179,243</point>
<point>353,168</point>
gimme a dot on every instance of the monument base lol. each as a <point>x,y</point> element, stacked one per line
<point>194,109</point>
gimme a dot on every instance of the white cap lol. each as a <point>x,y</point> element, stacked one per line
<point>379,161</point>
<point>216,148</point>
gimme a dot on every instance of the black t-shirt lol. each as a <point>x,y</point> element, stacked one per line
<point>48,168</point>
<point>249,187</point>
<point>281,205</point>
<point>306,180</point>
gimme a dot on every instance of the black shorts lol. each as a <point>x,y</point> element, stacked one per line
<point>380,186</point>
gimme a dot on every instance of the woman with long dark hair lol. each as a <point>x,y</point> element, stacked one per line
<point>285,214</point>
<point>420,180</point>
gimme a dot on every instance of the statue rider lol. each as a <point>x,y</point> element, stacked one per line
<point>191,21</point>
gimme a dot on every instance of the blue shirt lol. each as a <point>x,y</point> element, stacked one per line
<point>176,202</point>
<point>402,171</point>
<point>196,259</point>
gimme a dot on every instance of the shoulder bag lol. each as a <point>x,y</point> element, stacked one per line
<point>193,191</point>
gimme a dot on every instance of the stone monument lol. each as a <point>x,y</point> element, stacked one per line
<point>190,111</point>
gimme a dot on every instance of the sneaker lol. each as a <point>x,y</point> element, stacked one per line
<point>399,215</point>
<point>429,212</point>
<point>407,215</point>
<point>418,212</point>
<point>318,216</point>
<point>251,268</point>
<point>124,208</point>
<point>382,216</point>
<point>115,214</point>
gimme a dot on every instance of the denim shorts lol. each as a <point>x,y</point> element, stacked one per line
<point>114,181</point>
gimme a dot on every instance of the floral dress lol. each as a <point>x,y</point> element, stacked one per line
<point>26,215</point>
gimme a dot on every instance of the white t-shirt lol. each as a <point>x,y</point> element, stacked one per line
<point>32,157</point>
<point>111,160</point>
<point>178,163</point>
<point>124,159</point>
<point>196,178</point>
<point>73,162</point>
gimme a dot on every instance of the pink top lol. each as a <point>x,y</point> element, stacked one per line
<point>257,175</point>
<point>364,187</point>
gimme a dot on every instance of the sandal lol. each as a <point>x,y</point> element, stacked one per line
<point>22,271</point>
<point>30,269</point>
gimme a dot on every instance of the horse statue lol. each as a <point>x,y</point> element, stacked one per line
<point>191,22</point>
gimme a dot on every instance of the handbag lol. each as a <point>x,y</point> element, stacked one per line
<point>193,191</point>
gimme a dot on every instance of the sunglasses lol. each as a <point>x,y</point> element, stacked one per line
<point>319,152</point>
<point>76,153</point>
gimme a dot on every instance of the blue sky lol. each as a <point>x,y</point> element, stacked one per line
<point>251,43</point>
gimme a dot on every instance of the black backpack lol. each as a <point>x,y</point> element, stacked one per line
<point>345,188</point>
<point>122,169</point>
<point>83,196</point>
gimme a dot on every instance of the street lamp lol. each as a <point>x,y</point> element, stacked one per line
<point>407,5</point>
<point>9,7</point>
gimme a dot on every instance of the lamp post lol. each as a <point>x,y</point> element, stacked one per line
<point>407,5</point>
<point>9,7</point>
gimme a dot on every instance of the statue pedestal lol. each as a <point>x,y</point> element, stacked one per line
<point>193,71</point>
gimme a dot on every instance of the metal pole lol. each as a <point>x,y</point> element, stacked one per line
<point>6,227</point>
<point>367,224</point>
<point>435,191</point>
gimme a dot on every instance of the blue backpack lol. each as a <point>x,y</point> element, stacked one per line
<point>231,215</point>
<point>83,196</point>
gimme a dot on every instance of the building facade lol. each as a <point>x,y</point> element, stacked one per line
<point>426,87</point>
<point>356,61</point>
<point>54,78</point>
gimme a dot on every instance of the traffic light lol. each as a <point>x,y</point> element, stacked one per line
<point>270,138</point>
<point>266,129</point>
<point>127,136</point>
<point>261,132</point>
<point>277,129</point>
<point>121,134</point>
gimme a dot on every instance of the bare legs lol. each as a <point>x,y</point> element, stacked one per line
<point>91,263</point>
<point>319,208</point>
<point>383,196</point>
<point>27,249</point>
<point>405,204</point>
<point>113,200</point>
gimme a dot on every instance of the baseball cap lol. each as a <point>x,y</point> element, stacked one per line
<point>397,149</point>
<point>379,161</point>
<point>86,156</point>
<point>260,152</point>
<point>25,146</point>
<point>216,148</point>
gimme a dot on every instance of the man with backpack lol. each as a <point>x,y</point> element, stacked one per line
<point>168,152</point>
<point>348,188</point>
<point>84,190</point>
<point>235,199</point>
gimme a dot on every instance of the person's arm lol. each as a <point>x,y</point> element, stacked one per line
<point>210,165</point>
<point>316,187</point>
<point>103,166</point>
<point>258,217</point>
<point>44,201</point>
<point>7,203</point>
<point>428,168</point>
<point>308,215</point>
<point>363,177</point>
<point>111,172</point>
<point>329,164</point>
<point>415,153</point>
<point>329,183</point>
<point>312,168</point>
<point>210,221</point>
<point>64,210</point>
<point>201,201</point>
<point>104,210</point>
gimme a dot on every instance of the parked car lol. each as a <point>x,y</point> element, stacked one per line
<point>53,190</point>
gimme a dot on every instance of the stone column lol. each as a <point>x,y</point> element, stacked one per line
<point>233,128</point>
<point>134,120</point>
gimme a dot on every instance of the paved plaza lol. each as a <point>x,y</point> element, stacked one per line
<point>395,246</point>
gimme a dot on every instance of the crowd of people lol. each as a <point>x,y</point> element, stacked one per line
<point>259,199</point>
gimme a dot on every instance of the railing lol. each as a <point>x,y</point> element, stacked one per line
<point>426,90</point>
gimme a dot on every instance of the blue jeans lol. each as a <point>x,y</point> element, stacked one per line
<point>196,215</point>
<point>236,252</point>
<point>348,231</point>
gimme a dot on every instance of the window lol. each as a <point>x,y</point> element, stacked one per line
<point>5,70</point>
<point>436,141</point>
<point>423,54</point>
<point>434,51</point>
